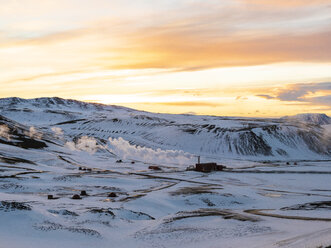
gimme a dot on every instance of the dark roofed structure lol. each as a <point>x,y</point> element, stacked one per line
<point>208,167</point>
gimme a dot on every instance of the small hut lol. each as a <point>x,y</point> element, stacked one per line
<point>206,167</point>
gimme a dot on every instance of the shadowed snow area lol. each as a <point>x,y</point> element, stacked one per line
<point>75,174</point>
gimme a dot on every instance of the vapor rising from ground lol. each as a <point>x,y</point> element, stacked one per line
<point>124,149</point>
<point>4,132</point>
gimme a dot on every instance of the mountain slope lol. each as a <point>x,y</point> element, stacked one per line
<point>300,137</point>
<point>317,119</point>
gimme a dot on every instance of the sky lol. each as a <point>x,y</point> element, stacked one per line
<point>263,58</point>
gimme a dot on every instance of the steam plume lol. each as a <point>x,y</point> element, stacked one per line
<point>33,133</point>
<point>85,143</point>
<point>125,150</point>
<point>57,131</point>
<point>4,132</point>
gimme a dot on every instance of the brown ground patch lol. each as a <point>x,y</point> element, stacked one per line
<point>259,212</point>
<point>203,212</point>
<point>195,190</point>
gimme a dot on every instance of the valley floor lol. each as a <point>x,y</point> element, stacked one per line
<point>253,205</point>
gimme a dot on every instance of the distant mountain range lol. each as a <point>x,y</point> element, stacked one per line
<point>317,119</point>
<point>304,136</point>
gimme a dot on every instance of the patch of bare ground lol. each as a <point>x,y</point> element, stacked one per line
<point>63,212</point>
<point>51,226</point>
<point>16,175</point>
<point>116,212</point>
<point>12,206</point>
<point>195,190</point>
<point>294,193</point>
<point>203,212</point>
<point>310,206</point>
<point>14,160</point>
<point>173,179</point>
<point>132,197</point>
<point>67,177</point>
<point>289,217</point>
<point>164,185</point>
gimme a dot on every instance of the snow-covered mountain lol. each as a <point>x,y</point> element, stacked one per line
<point>298,137</point>
<point>317,119</point>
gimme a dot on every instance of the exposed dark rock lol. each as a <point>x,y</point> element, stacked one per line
<point>12,206</point>
<point>14,160</point>
<point>112,194</point>
<point>63,212</point>
<point>83,193</point>
<point>281,152</point>
<point>51,226</point>
<point>76,197</point>
<point>310,206</point>
<point>102,211</point>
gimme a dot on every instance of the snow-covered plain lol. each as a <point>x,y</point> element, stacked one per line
<point>276,192</point>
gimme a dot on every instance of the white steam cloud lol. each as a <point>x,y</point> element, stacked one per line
<point>4,132</point>
<point>85,143</point>
<point>124,149</point>
<point>33,133</point>
<point>57,131</point>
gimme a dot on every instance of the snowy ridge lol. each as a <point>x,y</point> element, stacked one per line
<point>317,119</point>
<point>234,137</point>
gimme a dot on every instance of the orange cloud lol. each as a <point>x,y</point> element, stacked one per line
<point>190,104</point>
<point>310,93</point>
<point>189,51</point>
<point>197,36</point>
<point>77,48</point>
<point>289,3</point>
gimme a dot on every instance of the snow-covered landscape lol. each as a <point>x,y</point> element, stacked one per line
<point>129,172</point>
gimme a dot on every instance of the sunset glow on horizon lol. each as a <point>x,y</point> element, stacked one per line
<point>231,57</point>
